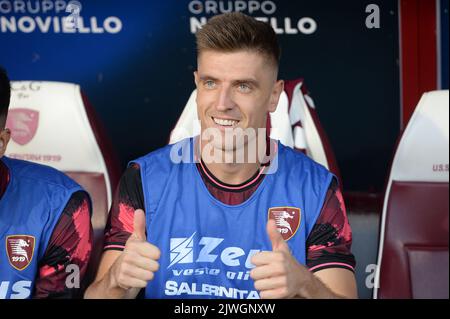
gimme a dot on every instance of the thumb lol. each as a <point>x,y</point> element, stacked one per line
<point>278,243</point>
<point>139,225</point>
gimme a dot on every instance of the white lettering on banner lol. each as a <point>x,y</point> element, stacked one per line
<point>218,7</point>
<point>33,7</point>
<point>196,24</point>
<point>27,24</point>
<point>193,289</point>
<point>305,25</point>
<point>19,290</point>
<point>50,16</point>
<point>265,10</point>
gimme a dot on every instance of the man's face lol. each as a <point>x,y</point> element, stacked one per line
<point>235,90</point>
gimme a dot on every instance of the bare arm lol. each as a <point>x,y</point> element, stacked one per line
<point>278,275</point>
<point>105,285</point>
<point>122,275</point>
<point>340,282</point>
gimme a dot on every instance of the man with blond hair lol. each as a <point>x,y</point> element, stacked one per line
<point>204,224</point>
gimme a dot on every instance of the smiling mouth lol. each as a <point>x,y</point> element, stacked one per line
<point>225,123</point>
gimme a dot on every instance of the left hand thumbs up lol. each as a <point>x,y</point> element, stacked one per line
<point>278,243</point>
<point>276,272</point>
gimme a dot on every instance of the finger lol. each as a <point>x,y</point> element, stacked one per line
<point>139,225</point>
<point>277,293</point>
<point>278,243</point>
<point>139,273</point>
<point>267,271</point>
<point>271,283</point>
<point>267,257</point>
<point>144,249</point>
<point>129,282</point>
<point>144,263</point>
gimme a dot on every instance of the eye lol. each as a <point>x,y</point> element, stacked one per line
<point>210,84</point>
<point>244,88</point>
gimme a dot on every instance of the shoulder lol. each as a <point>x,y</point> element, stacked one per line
<point>295,161</point>
<point>40,174</point>
<point>166,157</point>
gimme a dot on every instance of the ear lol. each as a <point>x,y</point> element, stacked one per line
<point>275,96</point>
<point>196,79</point>
<point>5,135</point>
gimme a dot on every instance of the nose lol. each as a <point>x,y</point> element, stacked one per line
<point>225,101</point>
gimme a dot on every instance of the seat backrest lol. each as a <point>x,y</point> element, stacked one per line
<point>308,133</point>
<point>413,252</point>
<point>295,123</point>
<point>52,123</point>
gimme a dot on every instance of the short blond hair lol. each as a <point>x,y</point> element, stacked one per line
<point>231,32</point>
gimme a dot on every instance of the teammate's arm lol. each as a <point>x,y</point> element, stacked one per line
<point>69,245</point>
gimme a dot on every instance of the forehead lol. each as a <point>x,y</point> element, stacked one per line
<point>240,64</point>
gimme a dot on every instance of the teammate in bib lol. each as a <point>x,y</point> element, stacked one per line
<point>45,228</point>
<point>193,220</point>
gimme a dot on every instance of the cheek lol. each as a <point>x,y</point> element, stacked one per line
<point>255,112</point>
<point>201,107</point>
<point>204,102</point>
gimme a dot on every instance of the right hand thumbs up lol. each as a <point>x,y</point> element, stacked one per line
<point>138,263</point>
<point>139,225</point>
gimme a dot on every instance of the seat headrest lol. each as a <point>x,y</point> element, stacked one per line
<point>49,125</point>
<point>422,154</point>
<point>188,124</point>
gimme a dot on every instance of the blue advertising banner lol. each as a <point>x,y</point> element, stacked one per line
<point>135,62</point>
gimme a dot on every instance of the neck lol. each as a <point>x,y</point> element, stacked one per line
<point>233,172</point>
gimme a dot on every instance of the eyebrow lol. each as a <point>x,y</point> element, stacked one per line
<point>207,77</point>
<point>251,81</point>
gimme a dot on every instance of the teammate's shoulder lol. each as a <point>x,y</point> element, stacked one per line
<point>40,174</point>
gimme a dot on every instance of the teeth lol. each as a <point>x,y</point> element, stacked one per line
<point>225,122</point>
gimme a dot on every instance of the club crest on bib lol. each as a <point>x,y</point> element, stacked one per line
<point>23,124</point>
<point>20,250</point>
<point>287,220</point>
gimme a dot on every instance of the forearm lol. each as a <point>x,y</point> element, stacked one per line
<point>332,283</point>
<point>314,288</point>
<point>107,288</point>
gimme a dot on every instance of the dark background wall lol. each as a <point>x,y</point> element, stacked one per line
<point>140,78</point>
